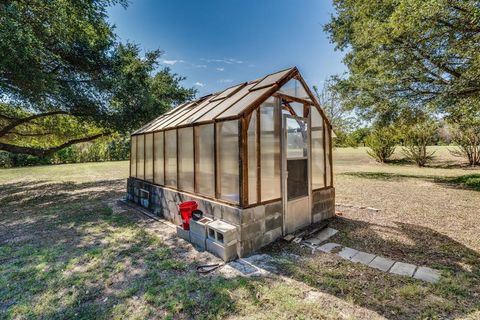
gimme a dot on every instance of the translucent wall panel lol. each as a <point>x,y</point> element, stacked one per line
<point>171,158</point>
<point>205,160</point>
<point>133,156</point>
<point>185,159</point>
<point>227,165</point>
<point>140,157</point>
<point>149,157</point>
<point>252,158</point>
<point>158,166</point>
<point>294,88</point>
<point>318,154</point>
<point>270,150</point>
<point>328,138</point>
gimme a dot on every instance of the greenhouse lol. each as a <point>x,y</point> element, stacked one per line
<point>256,155</point>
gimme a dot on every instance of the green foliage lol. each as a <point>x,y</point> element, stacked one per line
<point>381,143</point>
<point>358,137</point>
<point>65,79</point>
<point>416,138</point>
<point>112,148</point>
<point>408,54</point>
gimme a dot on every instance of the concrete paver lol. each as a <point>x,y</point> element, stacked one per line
<point>347,253</point>
<point>427,274</point>
<point>403,269</point>
<point>363,257</point>
<point>328,247</point>
<point>381,263</point>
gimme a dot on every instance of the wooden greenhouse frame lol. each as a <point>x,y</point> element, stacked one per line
<point>237,103</point>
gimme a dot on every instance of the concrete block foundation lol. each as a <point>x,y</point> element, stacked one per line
<point>256,226</point>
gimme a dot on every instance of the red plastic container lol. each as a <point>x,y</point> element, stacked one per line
<point>186,209</point>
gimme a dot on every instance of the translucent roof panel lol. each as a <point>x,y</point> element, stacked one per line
<point>171,117</point>
<point>272,79</point>
<point>194,110</point>
<point>228,92</point>
<point>229,103</point>
<point>244,103</point>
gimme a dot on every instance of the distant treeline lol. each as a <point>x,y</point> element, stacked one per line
<point>105,149</point>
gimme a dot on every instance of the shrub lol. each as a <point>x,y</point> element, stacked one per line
<point>467,140</point>
<point>381,143</point>
<point>416,139</point>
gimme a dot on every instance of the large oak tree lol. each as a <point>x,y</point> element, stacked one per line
<point>419,54</point>
<point>65,78</point>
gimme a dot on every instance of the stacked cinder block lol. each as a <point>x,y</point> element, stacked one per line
<point>198,232</point>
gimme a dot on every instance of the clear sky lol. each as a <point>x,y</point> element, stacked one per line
<point>218,43</point>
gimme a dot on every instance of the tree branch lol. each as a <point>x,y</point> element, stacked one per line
<point>46,152</point>
<point>20,121</point>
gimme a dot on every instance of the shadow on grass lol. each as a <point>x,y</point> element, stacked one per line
<point>65,254</point>
<point>469,181</point>
<point>395,297</point>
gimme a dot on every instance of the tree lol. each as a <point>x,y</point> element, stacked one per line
<point>340,117</point>
<point>408,53</point>
<point>60,63</point>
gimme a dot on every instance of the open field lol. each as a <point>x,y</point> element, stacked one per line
<point>66,251</point>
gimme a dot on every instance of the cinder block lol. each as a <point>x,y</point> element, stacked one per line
<point>184,234</point>
<point>272,209</point>
<point>259,213</point>
<point>221,232</point>
<point>200,227</point>
<point>225,252</point>
<point>231,215</point>
<point>273,222</point>
<point>252,229</point>
<point>198,241</point>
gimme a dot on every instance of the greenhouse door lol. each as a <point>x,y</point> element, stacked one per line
<point>295,173</point>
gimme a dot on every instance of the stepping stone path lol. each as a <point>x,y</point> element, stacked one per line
<point>378,262</point>
<point>369,259</point>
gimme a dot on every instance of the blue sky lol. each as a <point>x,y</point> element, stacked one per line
<point>218,43</point>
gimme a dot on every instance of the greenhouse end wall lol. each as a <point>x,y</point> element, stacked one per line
<point>256,226</point>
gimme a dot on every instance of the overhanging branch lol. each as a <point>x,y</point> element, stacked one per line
<point>20,121</point>
<point>39,152</point>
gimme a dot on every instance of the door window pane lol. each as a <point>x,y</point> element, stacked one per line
<point>205,159</point>
<point>252,158</point>
<point>318,154</point>
<point>140,157</point>
<point>149,157</point>
<point>133,156</point>
<point>296,138</point>
<point>171,158</point>
<point>185,159</point>
<point>158,158</point>
<point>270,150</point>
<point>228,166</point>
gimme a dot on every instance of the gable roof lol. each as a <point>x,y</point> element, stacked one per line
<point>230,103</point>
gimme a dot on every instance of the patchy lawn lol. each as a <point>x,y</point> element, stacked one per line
<point>67,251</point>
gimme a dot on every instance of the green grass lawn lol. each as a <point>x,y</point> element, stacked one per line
<point>65,251</point>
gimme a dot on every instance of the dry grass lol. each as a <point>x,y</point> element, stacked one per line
<point>65,254</point>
